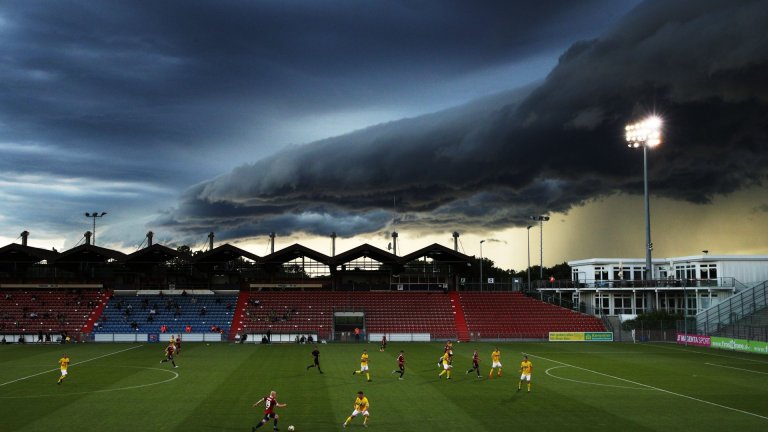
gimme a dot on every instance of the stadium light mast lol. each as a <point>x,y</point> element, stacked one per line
<point>541,219</point>
<point>528,230</point>
<point>94,216</point>
<point>481,264</point>
<point>645,134</point>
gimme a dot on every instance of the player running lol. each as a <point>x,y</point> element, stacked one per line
<point>448,348</point>
<point>363,366</point>
<point>446,366</point>
<point>475,364</point>
<point>169,351</point>
<point>270,403</point>
<point>526,367</point>
<point>178,345</point>
<point>63,365</point>
<point>316,354</point>
<point>495,362</point>
<point>361,407</point>
<point>400,364</point>
<point>383,344</point>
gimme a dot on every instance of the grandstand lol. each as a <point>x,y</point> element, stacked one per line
<point>312,312</point>
<point>178,314</point>
<point>50,311</point>
<point>512,315</point>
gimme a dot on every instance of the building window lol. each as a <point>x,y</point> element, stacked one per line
<point>708,271</point>
<point>622,304</point>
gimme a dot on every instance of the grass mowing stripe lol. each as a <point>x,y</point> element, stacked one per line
<point>73,364</point>
<point>654,388</point>
<point>741,369</point>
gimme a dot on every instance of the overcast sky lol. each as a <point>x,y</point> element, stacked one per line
<point>306,117</point>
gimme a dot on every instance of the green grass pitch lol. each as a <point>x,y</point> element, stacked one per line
<point>576,387</point>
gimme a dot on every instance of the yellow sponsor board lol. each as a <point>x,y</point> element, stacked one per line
<point>566,336</point>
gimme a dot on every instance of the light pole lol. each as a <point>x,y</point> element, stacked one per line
<point>541,220</point>
<point>645,134</point>
<point>481,264</point>
<point>528,230</point>
<point>94,215</point>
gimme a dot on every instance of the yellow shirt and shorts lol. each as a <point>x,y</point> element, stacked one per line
<point>364,363</point>
<point>525,370</point>
<point>64,364</point>
<point>361,407</point>
<point>496,359</point>
<point>446,361</point>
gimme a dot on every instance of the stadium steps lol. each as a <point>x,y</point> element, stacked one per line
<point>462,330</point>
<point>239,316</point>
<point>93,318</point>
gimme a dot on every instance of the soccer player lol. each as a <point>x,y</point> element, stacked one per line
<point>63,365</point>
<point>169,350</point>
<point>363,366</point>
<point>361,407</point>
<point>316,354</point>
<point>270,403</point>
<point>400,364</point>
<point>475,364</point>
<point>446,366</point>
<point>383,344</point>
<point>495,362</point>
<point>178,344</point>
<point>448,348</point>
<point>526,367</point>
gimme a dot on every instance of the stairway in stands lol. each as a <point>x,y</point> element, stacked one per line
<point>462,329</point>
<point>239,316</point>
<point>93,317</point>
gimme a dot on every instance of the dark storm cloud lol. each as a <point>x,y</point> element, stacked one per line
<point>700,64</point>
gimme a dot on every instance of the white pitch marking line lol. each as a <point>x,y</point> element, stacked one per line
<point>175,375</point>
<point>590,383</point>
<point>655,388</point>
<point>741,369</point>
<point>73,364</point>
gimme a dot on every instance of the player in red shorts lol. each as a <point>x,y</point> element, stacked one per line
<point>169,350</point>
<point>178,345</point>
<point>270,403</point>
<point>400,364</point>
<point>475,364</point>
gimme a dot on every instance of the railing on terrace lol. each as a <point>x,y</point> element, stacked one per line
<point>722,282</point>
<point>733,309</point>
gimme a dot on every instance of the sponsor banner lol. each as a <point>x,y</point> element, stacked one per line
<point>693,339</point>
<point>580,337</point>
<point>742,345</point>
<point>598,337</point>
<point>566,336</point>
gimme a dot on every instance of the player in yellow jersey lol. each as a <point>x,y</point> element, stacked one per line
<point>495,362</point>
<point>361,407</point>
<point>363,366</point>
<point>63,365</point>
<point>526,367</point>
<point>446,359</point>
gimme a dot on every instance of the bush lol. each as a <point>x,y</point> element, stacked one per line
<point>656,320</point>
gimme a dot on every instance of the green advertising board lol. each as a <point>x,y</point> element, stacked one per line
<point>580,337</point>
<point>598,336</point>
<point>742,345</point>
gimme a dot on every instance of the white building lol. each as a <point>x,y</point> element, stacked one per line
<point>615,286</point>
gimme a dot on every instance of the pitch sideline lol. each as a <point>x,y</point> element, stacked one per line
<point>73,364</point>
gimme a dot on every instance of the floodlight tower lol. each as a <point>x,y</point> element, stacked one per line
<point>541,220</point>
<point>481,264</point>
<point>645,134</point>
<point>94,215</point>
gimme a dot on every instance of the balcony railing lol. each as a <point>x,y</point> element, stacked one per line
<point>723,282</point>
